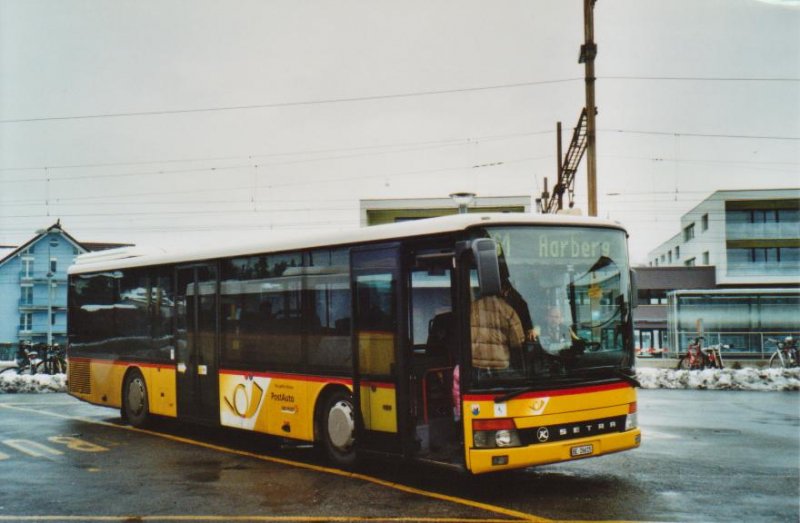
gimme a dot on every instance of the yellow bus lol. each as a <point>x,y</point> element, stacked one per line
<point>361,342</point>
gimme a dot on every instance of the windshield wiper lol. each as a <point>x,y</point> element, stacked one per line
<point>631,379</point>
<point>533,388</point>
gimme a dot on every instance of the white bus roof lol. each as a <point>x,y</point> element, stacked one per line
<point>138,257</point>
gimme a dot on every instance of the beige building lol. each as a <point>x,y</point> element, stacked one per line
<point>377,212</point>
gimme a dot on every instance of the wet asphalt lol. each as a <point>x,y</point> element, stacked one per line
<point>706,456</point>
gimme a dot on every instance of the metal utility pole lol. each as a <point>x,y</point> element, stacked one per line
<point>559,189</point>
<point>583,137</point>
<point>588,54</point>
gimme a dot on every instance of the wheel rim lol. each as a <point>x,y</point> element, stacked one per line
<point>341,425</point>
<point>136,396</point>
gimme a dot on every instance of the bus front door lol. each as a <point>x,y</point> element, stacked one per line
<point>196,340</point>
<point>377,334</point>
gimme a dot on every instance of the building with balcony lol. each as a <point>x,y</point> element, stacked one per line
<point>751,241</point>
<point>751,237</point>
<point>33,288</point>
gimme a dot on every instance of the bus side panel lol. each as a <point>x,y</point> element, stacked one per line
<point>96,381</point>
<point>573,411</point>
<point>100,382</point>
<point>277,405</point>
<point>160,381</point>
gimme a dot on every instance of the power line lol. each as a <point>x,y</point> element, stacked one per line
<point>290,104</point>
<point>699,78</point>
<point>443,142</point>
<point>699,135</point>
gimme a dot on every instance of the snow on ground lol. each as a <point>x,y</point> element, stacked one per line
<point>11,382</point>
<point>711,379</point>
<point>724,379</point>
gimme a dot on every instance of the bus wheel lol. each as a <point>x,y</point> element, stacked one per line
<point>134,399</point>
<point>339,429</point>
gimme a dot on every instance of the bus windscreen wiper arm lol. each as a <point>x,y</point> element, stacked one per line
<point>627,377</point>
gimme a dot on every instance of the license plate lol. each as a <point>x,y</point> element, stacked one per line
<point>581,450</point>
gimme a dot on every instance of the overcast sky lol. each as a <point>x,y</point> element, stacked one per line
<point>166,122</point>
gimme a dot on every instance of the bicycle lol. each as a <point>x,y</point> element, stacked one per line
<point>699,358</point>
<point>54,361</point>
<point>785,355</point>
<point>26,362</point>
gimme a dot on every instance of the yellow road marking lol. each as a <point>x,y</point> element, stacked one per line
<point>288,519</point>
<point>271,459</point>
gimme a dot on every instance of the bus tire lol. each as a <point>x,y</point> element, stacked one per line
<point>135,407</point>
<point>338,429</point>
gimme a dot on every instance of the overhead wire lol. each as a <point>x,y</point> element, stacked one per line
<point>291,104</point>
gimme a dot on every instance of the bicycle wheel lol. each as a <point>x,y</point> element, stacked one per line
<point>43,367</point>
<point>776,361</point>
<point>683,363</point>
<point>10,370</point>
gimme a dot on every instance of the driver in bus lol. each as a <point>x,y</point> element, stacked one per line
<point>555,335</point>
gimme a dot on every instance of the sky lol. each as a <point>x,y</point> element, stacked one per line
<point>183,122</point>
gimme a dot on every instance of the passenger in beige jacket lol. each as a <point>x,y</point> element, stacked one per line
<point>496,330</point>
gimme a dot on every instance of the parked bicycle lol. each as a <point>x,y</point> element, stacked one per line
<point>785,355</point>
<point>698,357</point>
<point>54,360</point>
<point>26,361</point>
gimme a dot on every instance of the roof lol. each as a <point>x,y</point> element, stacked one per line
<point>55,227</point>
<point>124,258</point>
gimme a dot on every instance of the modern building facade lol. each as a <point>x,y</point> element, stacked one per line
<point>751,241</point>
<point>33,288</point>
<point>751,237</point>
<point>650,317</point>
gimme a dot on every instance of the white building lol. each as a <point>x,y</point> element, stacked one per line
<point>751,237</point>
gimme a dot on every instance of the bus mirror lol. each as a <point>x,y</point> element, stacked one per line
<point>485,252</point>
<point>634,290</point>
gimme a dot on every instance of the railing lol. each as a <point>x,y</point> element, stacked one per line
<point>742,344</point>
<point>33,304</point>
<point>755,231</point>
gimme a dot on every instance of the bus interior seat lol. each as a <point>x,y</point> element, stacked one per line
<point>440,335</point>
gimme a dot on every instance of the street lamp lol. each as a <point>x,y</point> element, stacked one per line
<point>463,200</point>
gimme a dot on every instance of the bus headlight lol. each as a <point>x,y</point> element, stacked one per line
<point>632,419</point>
<point>494,433</point>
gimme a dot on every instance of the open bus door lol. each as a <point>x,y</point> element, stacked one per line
<point>379,363</point>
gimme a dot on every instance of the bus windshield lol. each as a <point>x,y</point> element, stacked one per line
<point>563,313</point>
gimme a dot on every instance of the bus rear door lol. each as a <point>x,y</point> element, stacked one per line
<point>377,335</point>
<point>196,337</point>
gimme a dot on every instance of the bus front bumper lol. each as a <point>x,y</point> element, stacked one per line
<point>495,459</point>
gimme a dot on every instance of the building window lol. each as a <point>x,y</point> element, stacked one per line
<point>705,258</point>
<point>27,267</point>
<point>26,295</point>
<point>677,252</point>
<point>704,223</point>
<point>53,265</point>
<point>669,257</point>
<point>690,262</point>
<point>25,322</point>
<point>688,232</point>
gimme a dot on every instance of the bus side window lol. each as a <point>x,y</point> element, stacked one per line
<point>431,316</point>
